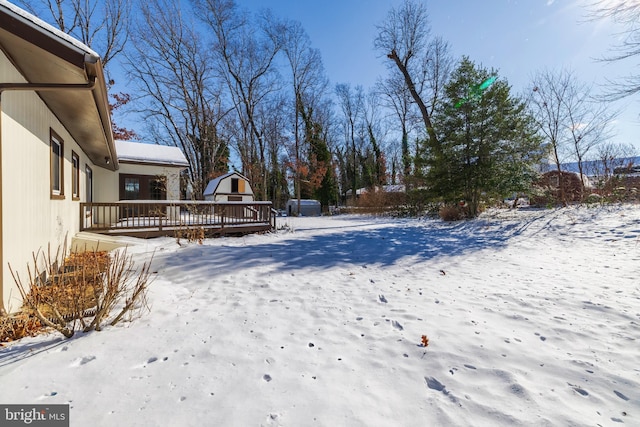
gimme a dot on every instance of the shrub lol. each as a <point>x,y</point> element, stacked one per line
<point>64,292</point>
<point>451,213</point>
<point>376,201</point>
<point>191,233</point>
<point>18,326</point>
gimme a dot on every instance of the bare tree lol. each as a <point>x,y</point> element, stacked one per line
<point>397,98</point>
<point>611,157</point>
<point>351,104</point>
<point>626,13</point>
<point>275,127</point>
<point>569,118</point>
<point>245,51</point>
<point>179,95</point>
<point>372,115</point>
<point>589,123</point>
<point>102,25</point>
<point>308,84</point>
<point>424,62</point>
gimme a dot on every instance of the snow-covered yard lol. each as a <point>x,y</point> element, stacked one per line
<point>533,318</point>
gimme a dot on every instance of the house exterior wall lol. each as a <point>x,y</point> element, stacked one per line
<point>107,183</point>
<point>31,218</point>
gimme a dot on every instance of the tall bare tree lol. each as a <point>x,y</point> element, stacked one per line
<point>351,102</point>
<point>396,97</point>
<point>180,97</point>
<point>245,51</point>
<point>423,61</point>
<point>376,131</point>
<point>308,88</point>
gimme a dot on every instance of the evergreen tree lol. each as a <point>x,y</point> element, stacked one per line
<point>489,143</point>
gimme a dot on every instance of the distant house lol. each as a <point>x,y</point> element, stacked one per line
<point>549,191</point>
<point>307,207</point>
<point>230,187</point>
<point>391,188</point>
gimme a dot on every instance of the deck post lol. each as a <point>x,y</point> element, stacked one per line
<point>82,219</point>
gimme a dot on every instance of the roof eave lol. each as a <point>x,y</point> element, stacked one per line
<point>45,55</point>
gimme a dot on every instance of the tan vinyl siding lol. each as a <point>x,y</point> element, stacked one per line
<point>31,218</point>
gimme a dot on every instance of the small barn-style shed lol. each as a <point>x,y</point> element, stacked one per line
<point>230,187</point>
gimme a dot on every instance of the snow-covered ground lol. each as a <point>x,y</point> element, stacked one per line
<point>533,318</point>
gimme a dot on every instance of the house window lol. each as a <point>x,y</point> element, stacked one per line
<point>57,166</point>
<point>142,187</point>
<point>158,188</point>
<point>88,184</point>
<point>75,176</point>
<point>131,188</point>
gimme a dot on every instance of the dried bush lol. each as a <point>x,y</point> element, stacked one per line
<point>18,326</point>
<point>378,201</point>
<point>191,233</point>
<point>62,292</point>
<point>548,192</point>
<point>451,213</point>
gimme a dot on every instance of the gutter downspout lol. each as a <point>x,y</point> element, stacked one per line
<point>25,87</point>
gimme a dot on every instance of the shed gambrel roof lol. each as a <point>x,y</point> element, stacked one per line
<point>212,187</point>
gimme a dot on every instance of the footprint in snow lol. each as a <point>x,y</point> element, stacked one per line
<point>579,390</point>
<point>620,395</point>
<point>436,385</point>
<point>397,325</point>
<point>81,361</point>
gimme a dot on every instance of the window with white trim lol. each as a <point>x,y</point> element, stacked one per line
<point>57,166</point>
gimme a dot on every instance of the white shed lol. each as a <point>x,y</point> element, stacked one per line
<point>230,187</point>
<point>308,207</point>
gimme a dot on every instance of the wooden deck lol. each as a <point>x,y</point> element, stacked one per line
<point>154,218</point>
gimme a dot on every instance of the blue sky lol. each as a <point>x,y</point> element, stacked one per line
<point>517,37</point>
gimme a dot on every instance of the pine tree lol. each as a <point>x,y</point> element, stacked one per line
<point>489,143</point>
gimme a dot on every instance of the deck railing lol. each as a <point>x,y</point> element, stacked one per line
<point>157,217</point>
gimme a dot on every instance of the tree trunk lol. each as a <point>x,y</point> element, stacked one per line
<point>433,139</point>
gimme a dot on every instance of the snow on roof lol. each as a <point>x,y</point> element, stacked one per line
<point>150,153</point>
<point>48,30</point>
